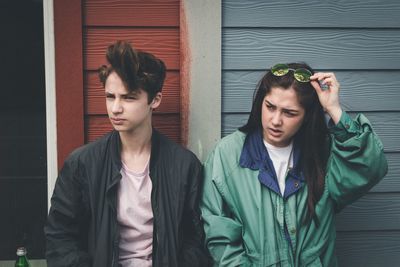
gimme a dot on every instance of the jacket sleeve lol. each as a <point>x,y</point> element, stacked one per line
<point>223,233</point>
<point>194,253</point>
<point>357,161</point>
<point>66,238</point>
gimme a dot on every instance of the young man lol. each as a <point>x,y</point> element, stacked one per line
<point>131,197</point>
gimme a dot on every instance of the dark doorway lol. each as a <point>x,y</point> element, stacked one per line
<point>23,171</point>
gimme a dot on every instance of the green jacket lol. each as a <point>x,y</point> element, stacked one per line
<point>248,224</point>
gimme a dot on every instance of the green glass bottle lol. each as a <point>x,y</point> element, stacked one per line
<point>22,260</point>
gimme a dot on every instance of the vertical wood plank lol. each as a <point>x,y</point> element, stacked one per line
<point>69,76</point>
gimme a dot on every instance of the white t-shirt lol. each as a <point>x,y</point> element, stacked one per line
<point>135,218</point>
<point>282,158</point>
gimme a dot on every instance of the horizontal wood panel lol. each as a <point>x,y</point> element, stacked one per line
<point>256,49</point>
<point>360,249</point>
<point>95,100</point>
<point>292,13</point>
<point>162,42</point>
<point>131,13</point>
<point>391,182</point>
<point>360,90</point>
<point>386,125</point>
<point>374,211</point>
<point>168,124</point>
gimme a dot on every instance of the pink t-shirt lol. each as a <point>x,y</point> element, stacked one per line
<point>135,218</point>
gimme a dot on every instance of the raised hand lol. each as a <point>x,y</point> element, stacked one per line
<point>328,97</point>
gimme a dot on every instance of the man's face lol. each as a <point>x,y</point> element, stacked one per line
<point>128,111</point>
<point>281,116</point>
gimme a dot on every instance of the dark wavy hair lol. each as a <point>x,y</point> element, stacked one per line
<point>312,137</point>
<point>137,69</point>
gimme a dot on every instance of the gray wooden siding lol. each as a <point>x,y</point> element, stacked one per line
<point>360,42</point>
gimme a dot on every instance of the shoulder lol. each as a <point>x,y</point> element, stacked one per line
<point>231,145</point>
<point>91,151</point>
<point>174,163</point>
<point>227,151</point>
<point>174,152</point>
<point>233,140</point>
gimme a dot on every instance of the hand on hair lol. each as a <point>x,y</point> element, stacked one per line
<point>329,98</point>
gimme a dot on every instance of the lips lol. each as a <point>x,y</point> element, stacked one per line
<point>275,132</point>
<point>117,121</point>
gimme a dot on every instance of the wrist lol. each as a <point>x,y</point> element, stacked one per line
<point>335,113</point>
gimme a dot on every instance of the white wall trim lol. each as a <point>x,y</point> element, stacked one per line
<point>51,118</point>
<point>203,25</point>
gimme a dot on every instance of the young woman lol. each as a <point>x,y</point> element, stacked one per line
<point>272,188</point>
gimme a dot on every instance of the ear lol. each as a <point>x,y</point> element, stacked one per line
<point>156,100</point>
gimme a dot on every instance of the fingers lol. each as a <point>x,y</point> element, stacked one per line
<point>322,75</point>
<point>326,78</point>
<point>316,86</point>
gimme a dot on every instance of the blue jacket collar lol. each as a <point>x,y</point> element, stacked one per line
<point>255,156</point>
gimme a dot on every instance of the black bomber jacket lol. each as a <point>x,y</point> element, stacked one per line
<point>82,227</point>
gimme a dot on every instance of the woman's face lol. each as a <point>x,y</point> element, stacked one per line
<point>281,116</point>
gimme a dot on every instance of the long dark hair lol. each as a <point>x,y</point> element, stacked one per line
<point>312,137</point>
<point>137,69</point>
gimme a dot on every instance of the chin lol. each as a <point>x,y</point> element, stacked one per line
<point>119,128</point>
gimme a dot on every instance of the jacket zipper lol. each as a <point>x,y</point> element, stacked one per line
<point>116,231</point>
<point>115,241</point>
<point>154,207</point>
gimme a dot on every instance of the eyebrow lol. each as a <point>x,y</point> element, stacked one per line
<point>284,109</point>
<point>133,93</point>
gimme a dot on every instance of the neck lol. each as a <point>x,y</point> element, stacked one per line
<point>136,143</point>
<point>278,147</point>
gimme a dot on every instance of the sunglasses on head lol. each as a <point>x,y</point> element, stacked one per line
<point>301,75</point>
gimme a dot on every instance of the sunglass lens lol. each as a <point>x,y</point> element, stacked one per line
<point>302,75</point>
<point>280,69</point>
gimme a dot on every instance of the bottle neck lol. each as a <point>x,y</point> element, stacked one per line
<point>22,260</point>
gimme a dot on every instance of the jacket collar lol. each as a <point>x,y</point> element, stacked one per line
<point>115,152</point>
<point>255,156</point>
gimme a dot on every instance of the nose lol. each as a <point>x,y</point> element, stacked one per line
<point>116,106</point>
<point>276,119</point>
